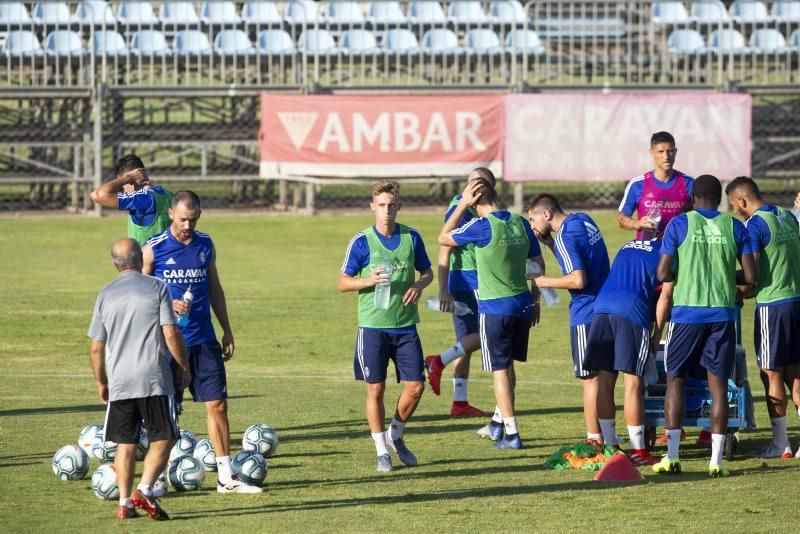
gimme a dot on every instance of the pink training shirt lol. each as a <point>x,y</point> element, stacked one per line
<point>669,202</point>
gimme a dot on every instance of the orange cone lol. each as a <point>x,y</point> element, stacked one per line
<point>618,468</point>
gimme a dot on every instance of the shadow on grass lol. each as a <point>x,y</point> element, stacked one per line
<point>51,410</point>
<point>20,460</point>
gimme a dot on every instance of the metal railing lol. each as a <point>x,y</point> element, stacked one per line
<point>344,43</point>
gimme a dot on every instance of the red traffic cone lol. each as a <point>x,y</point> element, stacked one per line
<point>618,468</point>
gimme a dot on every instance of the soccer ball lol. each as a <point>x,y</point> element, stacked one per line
<point>183,446</point>
<point>70,462</point>
<point>186,473</point>
<point>204,453</point>
<point>252,467</point>
<point>86,437</point>
<point>104,483</point>
<point>260,438</point>
<point>105,451</point>
<point>144,443</point>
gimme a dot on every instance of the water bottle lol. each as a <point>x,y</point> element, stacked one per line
<point>459,308</point>
<point>383,290</point>
<point>796,213</point>
<point>654,214</point>
<point>549,294</point>
<point>183,318</point>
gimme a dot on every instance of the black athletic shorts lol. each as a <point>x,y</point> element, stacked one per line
<point>125,417</point>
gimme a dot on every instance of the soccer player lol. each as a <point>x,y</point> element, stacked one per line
<point>658,195</point>
<point>581,252</point>
<point>619,340</point>
<point>183,257</point>
<point>132,321</point>
<point>390,332</point>
<point>699,254</point>
<point>503,241</point>
<point>776,250</point>
<point>131,190</point>
<point>458,281</point>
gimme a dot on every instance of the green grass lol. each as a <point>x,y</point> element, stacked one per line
<point>293,370</point>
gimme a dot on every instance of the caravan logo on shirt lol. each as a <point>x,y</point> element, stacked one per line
<point>184,276</point>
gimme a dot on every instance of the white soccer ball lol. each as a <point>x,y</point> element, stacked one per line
<point>105,451</point>
<point>86,437</point>
<point>144,443</point>
<point>104,483</point>
<point>186,473</point>
<point>183,446</point>
<point>252,467</point>
<point>70,462</point>
<point>204,453</point>
<point>260,438</point>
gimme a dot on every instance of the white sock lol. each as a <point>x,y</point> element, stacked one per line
<point>498,416</point>
<point>780,434</point>
<point>609,429</point>
<point>510,426</point>
<point>460,389</point>
<point>396,429</point>
<point>380,443</point>
<point>636,433</point>
<point>224,469</point>
<point>125,502</point>
<point>453,353</point>
<point>717,448</point>
<point>594,437</point>
<point>147,490</point>
<point>673,443</point>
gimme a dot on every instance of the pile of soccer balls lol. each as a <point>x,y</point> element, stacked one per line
<point>189,459</point>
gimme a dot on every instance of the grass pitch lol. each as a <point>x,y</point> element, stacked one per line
<point>293,370</point>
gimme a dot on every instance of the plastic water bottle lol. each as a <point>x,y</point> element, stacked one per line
<point>183,318</point>
<point>796,213</point>
<point>655,215</point>
<point>549,294</point>
<point>383,290</point>
<point>459,308</point>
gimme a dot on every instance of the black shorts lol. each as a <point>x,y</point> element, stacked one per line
<point>125,417</point>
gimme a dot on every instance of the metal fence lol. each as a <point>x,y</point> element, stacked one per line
<point>301,42</point>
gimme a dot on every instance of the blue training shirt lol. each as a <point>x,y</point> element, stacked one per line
<point>760,237</point>
<point>579,245</point>
<point>635,188</point>
<point>630,288</point>
<point>140,204</point>
<point>674,235</point>
<point>479,232</point>
<point>357,258</point>
<point>461,280</point>
<point>181,266</point>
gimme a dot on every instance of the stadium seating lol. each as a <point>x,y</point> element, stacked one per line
<point>317,42</point>
<point>136,14</point>
<point>726,42</point>
<point>299,12</point>
<point>507,12</point>
<point>52,14</point>
<point>709,12</point>
<point>151,43</point>
<point>767,41</point>
<point>63,44</point>
<point>219,14</point>
<point>441,42</point>
<point>95,13</point>
<point>22,44</point>
<point>191,43</point>
<point>233,43</point>
<point>482,41</point>
<point>794,41</point>
<point>14,15</point>
<point>686,43</point>
<point>178,14</point>
<point>344,14</point>
<point>524,42</point>
<point>261,14</point>
<point>357,42</point>
<point>426,12</point>
<point>385,14</point>
<point>786,10</point>
<point>466,13</point>
<point>275,42</point>
<point>400,41</point>
<point>749,12</point>
<point>108,43</point>
<point>669,12</point>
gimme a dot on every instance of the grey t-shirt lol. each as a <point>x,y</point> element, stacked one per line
<point>128,316</point>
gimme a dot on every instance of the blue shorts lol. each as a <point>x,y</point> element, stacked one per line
<point>375,348</point>
<point>578,336</point>
<point>616,343</point>
<point>712,345</point>
<point>504,339</point>
<point>777,335</point>
<point>465,325</point>
<point>209,382</point>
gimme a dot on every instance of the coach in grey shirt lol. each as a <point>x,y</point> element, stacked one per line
<point>132,327</point>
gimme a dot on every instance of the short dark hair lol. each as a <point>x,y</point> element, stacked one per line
<point>543,201</point>
<point>487,192</point>
<point>661,137</point>
<point>746,185</point>
<point>708,188</point>
<point>128,162</point>
<point>485,173</point>
<point>187,198</point>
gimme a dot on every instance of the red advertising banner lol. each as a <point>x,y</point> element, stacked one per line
<point>575,137</point>
<point>377,135</point>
